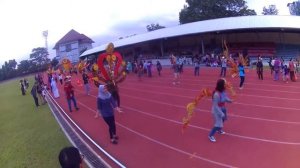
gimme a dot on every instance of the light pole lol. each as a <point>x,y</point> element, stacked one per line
<point>45,34</point>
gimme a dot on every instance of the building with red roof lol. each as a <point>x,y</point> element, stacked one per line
<point>72,45</point>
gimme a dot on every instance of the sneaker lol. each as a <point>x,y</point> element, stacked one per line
<point>222,132</point>
<point>116,137</point>
<point>240,88</point>
<point>212,138</point>
<point>114,141</point>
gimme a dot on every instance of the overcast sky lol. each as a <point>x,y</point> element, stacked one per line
<point>23,21</point>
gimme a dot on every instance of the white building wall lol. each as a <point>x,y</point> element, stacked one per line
<point>71,50</point>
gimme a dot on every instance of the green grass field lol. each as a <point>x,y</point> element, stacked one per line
<point>29,137</point>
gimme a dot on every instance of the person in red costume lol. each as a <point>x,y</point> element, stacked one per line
<point>69,90</point>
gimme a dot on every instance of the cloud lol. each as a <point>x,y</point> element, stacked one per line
<point>124,29</point>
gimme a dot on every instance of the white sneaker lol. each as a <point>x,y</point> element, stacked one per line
<point>222,132</point>
<point>212,138</point>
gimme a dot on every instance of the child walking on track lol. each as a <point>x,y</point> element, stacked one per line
<point>69,90</point>
<point>218,109</point>
<point>106,106</point>
<point>242,75</point>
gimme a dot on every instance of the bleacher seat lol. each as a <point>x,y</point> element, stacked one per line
<point>254,49</point>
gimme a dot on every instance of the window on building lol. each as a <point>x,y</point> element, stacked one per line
<point>68,47</point>
<point>74,46</point>
<point>62,48</point>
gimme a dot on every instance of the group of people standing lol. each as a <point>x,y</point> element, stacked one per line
<point>240,69</point>
<point>288,69</point>
<point>24,84</point>
<point>145,68</point>
<point>38,91</point>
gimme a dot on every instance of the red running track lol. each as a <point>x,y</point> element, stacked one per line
<point>262,130</point>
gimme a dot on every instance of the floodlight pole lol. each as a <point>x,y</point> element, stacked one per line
<point>45,34</point>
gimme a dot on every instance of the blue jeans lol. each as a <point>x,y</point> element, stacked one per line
<point>242,81</point>
<point>87,88</point>
<point>74,102</point>
<point>276,75</point>
<point>225,113</point>
<point>214,130</point>
<point>223,72</point>
<point>196,71</point>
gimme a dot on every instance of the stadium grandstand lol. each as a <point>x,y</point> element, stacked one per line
<point>267,36</point>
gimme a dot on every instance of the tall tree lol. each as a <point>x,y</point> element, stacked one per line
<point>39,56</point>
<point>197,10</point>
<point>294,8</point>
<point>12,64</point>
<point>24,67</point>
<point>54,62</point>
<point>9,69</point>
<point>153,27</point>
<point>271,10</point>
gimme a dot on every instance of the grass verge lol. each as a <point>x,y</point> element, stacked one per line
<point>29,136</point>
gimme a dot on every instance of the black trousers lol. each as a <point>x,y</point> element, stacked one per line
<point>242,80</point>
<point>116,96</point>
<point>110,121</point>
<point>260,74</point>
<point>36,101</point>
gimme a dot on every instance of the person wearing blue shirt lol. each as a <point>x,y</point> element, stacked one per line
<point>106,105</point>
<point>242,74</point>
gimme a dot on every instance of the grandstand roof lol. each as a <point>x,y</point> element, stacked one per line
<point>214,25</point>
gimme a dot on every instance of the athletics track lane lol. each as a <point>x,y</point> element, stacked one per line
<point>150,127</point>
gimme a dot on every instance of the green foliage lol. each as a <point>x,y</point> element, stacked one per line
<point>271,10</point>
<point>54,62</point>
<point>153,27</point>
<point>39,56</point>
<point>197,10</point>
<point>30,136</point>
<point>294,8</point>
<point>25,67</point>
<point>38,61</point>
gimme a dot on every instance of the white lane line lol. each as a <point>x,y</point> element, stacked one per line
<point>208,111</point>
<point>85,134</point>
<point>235,102</point>
<point>206,85</point>
<point>166,145</point>
<point>189,80</point>
<point>178,150</point>
<point>207,129</point>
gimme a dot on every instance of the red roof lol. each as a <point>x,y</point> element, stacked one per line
<point>73,35</point>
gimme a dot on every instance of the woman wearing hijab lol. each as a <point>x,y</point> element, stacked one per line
<point>54,88</point>
<point>106,105</point>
